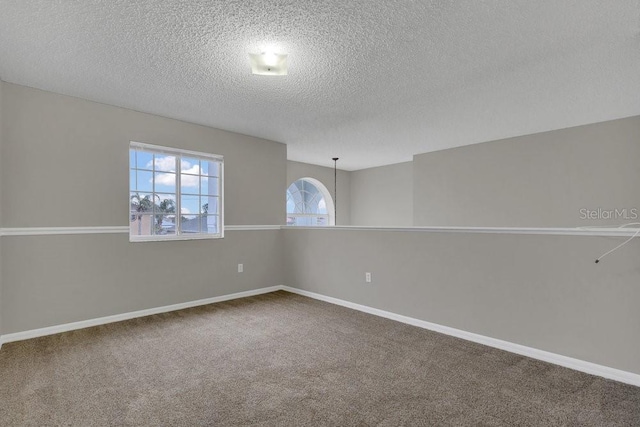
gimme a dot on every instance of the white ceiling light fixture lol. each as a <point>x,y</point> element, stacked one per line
<point>268,63</point>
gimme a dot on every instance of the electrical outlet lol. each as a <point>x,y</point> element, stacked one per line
<point>367,277</point>
<point>240,268</point>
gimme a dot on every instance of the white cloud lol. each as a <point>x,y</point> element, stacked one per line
<point>168,164</point>
<point>322,206</point>
<point>189,180</point>
<point>166,179</point>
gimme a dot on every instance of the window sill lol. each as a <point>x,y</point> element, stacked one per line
<point>143,239</point>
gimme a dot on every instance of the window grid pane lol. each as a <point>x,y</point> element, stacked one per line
<point>306,204</point>
<point>167,187</point>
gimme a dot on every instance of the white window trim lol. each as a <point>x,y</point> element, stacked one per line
<point>328,199</point>
<point>182,153</point>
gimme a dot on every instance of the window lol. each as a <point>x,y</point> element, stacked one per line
<point>174,194</point>
<point>309,204</point>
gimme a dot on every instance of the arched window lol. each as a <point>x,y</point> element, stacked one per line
<point>309,203</point>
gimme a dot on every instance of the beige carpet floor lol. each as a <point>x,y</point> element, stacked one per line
<point>285,360</point>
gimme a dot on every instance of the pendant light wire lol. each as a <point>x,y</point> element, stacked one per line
<point>335,190</point>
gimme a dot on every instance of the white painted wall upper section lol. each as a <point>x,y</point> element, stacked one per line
<point>372,82</point>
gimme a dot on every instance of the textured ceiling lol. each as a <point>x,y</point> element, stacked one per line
<point>372,82</point>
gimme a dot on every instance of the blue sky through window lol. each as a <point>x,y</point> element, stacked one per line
<point>156,173</point>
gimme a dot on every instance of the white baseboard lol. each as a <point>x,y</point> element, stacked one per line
<point>34,333</point>
<point>557,359</point>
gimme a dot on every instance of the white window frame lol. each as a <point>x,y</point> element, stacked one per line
<point>179,153</point>
<point>322,189</point>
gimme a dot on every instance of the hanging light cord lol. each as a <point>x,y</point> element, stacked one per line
<point>335,190</point>
<point>621,244</point>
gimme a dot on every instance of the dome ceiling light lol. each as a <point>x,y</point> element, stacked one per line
<point>268,63</point>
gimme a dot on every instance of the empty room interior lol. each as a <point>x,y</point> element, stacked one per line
<point>331,213</point>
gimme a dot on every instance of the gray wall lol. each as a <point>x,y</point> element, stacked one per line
<point>540,180</point>
<point>540,291</point>
<point>52,280</point>
<point>297,170</point>
<point>60,149</point>
<point>1,185</point>
<point>65,163</point>
<point>383,196</point>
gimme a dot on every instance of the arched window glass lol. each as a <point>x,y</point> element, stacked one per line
<point>309,204</point>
